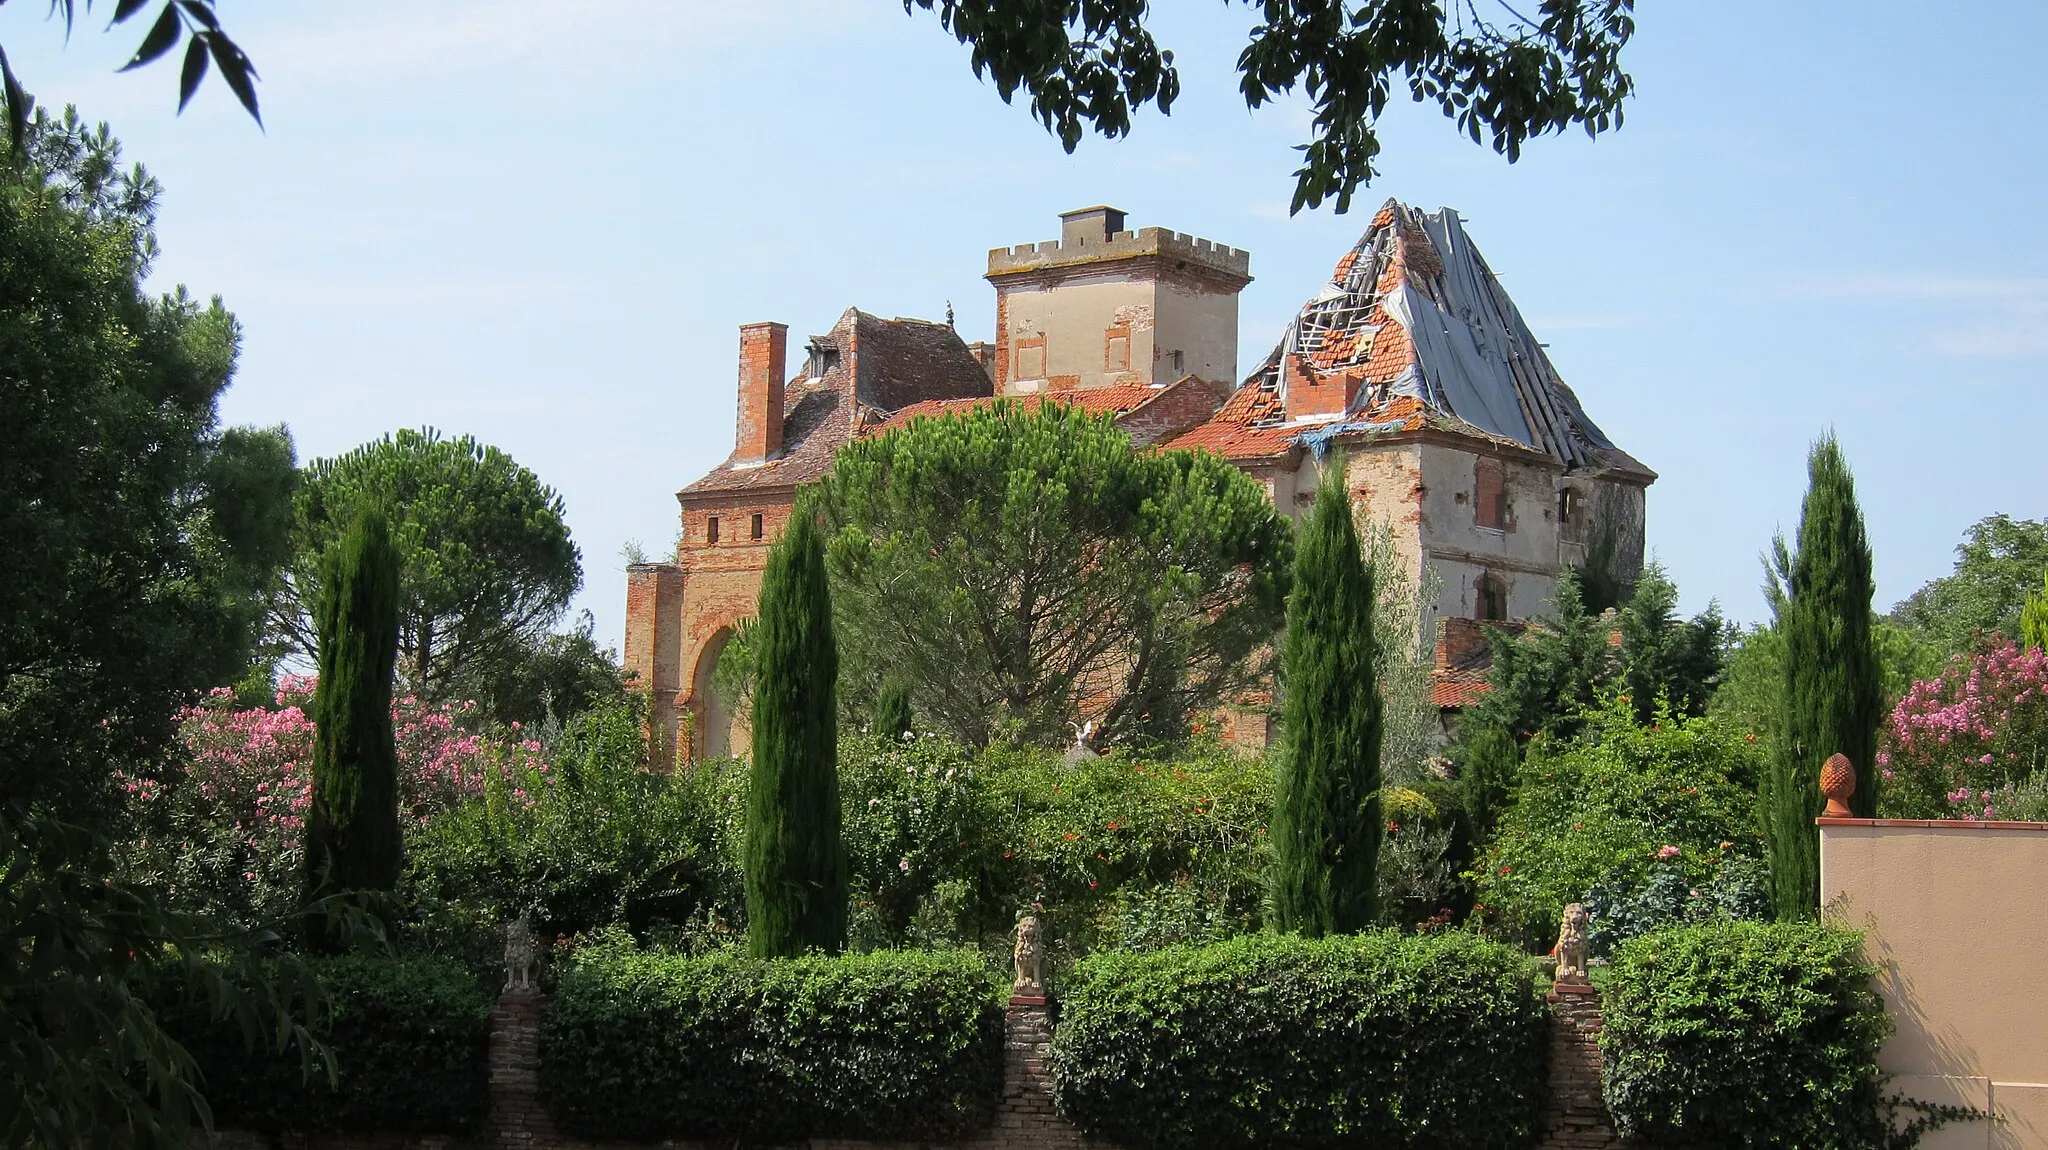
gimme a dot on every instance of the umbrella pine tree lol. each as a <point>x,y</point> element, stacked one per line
<point>1326,824</point>
<point>795,863</point>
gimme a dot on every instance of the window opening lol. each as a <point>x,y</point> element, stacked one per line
<point>711,529</point>
<point>757,525</point>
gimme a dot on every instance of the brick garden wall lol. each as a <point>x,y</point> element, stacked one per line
<point>1025,1119</point>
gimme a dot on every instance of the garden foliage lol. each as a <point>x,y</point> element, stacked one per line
<point>1999,564</point>
<point>1379,1039</point>
<point>352,835</point>
<point>1832,697</point>
<point>1744,1034</point>
<point>407,1046</point>
<point>795,862</point>
<point>583,838</point>
<point>1327,820</point>
<point>1607,808</point>
<point>1965,744</point>
<point>648,1045</point>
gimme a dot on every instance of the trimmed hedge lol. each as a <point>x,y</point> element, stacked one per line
<point>1745,1034</point>
<point>1377,1039</point>
<point>649,1045</point>
<point>411,1045</point>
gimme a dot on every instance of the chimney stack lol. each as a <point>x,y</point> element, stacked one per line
<point>763,347</point>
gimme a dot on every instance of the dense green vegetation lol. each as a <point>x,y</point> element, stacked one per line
<point>894,1044</point>
<point>1025,561</point>
<point>406,1047</point>
<point>1374,1039</point>
<point>795,863</point>
<point>1327,819</point>
<point>1745,1034</point>
<point>352,836</point>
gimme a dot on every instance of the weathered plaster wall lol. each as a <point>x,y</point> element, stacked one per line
<point>1954,916</point>
<point>1200,322</point>
<point>1073,314</point>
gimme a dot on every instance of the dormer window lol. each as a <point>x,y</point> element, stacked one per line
<point>824,357</point>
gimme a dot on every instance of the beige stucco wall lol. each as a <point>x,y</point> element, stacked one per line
<point>1957,918</point>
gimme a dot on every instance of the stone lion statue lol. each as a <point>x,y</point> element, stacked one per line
<point>1029,956</point>
<point>1571,945</point>
<point>522,956</point>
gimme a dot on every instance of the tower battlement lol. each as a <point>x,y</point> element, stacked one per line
<point>1096,235</point>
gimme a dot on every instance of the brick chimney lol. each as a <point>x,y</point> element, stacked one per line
<point>763,347</point>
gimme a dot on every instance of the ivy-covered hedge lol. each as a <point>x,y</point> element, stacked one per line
<point>410,1039</point>
<point>649,1045</point>
<point>1379,1039</point>
<point>1744,1034</point>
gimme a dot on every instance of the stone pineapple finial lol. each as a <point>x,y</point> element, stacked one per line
<point>1838,782</point>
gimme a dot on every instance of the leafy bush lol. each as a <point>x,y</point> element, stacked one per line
<point>410,1045</point>
<point>1629,902</point>
<point>588,839</point>
<point>1432,1040</point>
<point>1089,838</point>
<point>1744,1034</point>
<point>1605,808</point>
<point>893,1044</point>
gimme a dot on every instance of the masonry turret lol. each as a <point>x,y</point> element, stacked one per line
<point>1102,307</point>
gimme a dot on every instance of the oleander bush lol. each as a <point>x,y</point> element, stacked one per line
<point>1267,1040</point>
<point>1745,1034</point>
<point>409,1041</point>
<point>647,1045</point>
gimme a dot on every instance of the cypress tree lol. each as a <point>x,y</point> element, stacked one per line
<point>892,709</point>
<point>352,835</point>
<point>795,863</point>
<point>1326,824</point>
<point>1833,695</point>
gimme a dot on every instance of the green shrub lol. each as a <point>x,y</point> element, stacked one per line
<point>649,1045</point>
<point>591,839</point>
<point>410,1041</point>
<point>1744,1034</point>
<point>1603,808</point>
<point>1403,1040</point>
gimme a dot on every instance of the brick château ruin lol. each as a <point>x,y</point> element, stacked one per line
<point>1412,364</point>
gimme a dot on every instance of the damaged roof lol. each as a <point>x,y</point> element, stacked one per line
<point>875,366</point>
<point>1419,333</point>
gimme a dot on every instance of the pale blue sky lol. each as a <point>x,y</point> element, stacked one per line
<point>541,222</point>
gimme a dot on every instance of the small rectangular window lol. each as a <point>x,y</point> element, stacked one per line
<point>1116,355</point>
<point>711,529</point>
<point>757,525</point>
<point>1176,364</point>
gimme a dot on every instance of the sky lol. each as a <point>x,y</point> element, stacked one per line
<point>541,222</point>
